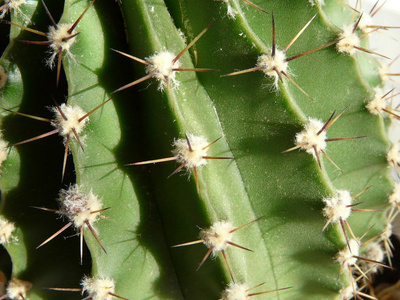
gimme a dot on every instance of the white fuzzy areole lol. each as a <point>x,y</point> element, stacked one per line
<point>3,77</point>
<point>338,206</point>
<point>383,71</point>
<point>11,5</point>
<point>373,251</point>
<point>235,291</point>
<point>231,12</point>
<point>217,236</point>
<point>72,114</point>
<point>376,105</point>
<point>272,65</point>
<point>387,233</point>
<point>161,65</point>
<point>6,230</point>
<point>98,288</point>
<point>348,41</point>
<point>317,2</point>
<point>16,288</point>
<point>60,39</point>
<point>348,292</point>
<point>77,206</point>
<point>394,198</point>
<point>308,137</point>
<point>192,158</point>
<point>14,4</point>
<point>3,151</point>
<point>393,156</point>
<point>365,23</point>
<point>345,257</point>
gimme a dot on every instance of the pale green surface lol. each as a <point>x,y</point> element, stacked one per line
<point>149,213</point>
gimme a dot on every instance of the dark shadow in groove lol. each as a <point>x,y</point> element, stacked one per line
<point>147,131</point>
<point>57,263</point>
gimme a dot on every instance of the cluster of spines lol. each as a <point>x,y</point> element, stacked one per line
<point>313,140</point>
<point>363,260</point>
<point>79,206</point>
<point>96,288</point>
<point>166,76</point>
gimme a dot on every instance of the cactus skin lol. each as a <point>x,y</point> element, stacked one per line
<point>149,213</point>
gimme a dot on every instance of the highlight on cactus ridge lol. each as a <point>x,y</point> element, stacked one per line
<point>315,242</point>
<point>231,11</point>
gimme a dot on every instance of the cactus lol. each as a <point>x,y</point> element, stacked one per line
<point>283,142</point>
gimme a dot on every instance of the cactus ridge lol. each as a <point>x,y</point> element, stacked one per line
<point>308,242</point>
